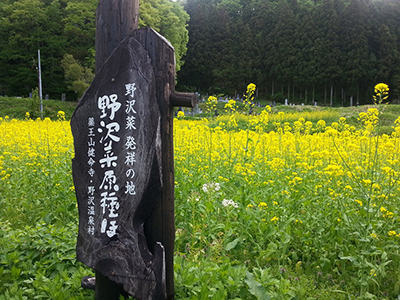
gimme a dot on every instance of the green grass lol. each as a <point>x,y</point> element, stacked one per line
<point>17,108</point>
<point>389,113</point>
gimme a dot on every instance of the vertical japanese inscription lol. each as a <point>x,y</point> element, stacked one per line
<point>91,189</point>
<point>117,172</point>
<point>130,143</point>
<point>109,138</point>
<point>108,134</point>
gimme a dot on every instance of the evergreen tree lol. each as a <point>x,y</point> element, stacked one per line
<point>281,43</point>
<point>329,56</point>
<point>358,69</point>
<point>260,27</point>
<point>197,71</point>
<point>321,47</point>
<point>386,53</point>
<point>306,72</point>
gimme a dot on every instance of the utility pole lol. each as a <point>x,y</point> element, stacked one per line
<point>40,87</point>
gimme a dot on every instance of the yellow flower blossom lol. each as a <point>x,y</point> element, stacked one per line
<point>381,93</point>
<point>262,205</point>
<point>359,202</point>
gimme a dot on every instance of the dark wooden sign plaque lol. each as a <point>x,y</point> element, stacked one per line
<point>117,172</point>
<point>123,169</point>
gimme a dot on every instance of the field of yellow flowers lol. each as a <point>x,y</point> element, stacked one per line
<point>309,210</point>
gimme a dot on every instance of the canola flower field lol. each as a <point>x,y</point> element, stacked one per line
<point>309,210</point>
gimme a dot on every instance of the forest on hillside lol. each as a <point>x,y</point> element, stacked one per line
<point>302,50</point>
<point>64,31</point>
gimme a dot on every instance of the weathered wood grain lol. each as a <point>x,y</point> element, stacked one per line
<point>160,227</point>
<point>121,254</point>
<point>183,99</point>
<point>115,20</point>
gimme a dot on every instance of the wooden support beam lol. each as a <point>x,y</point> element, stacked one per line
<point>183,99</point>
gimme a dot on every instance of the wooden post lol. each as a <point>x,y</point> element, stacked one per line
<point>115,20</point>
<point>161,225</point>
<point>107,289</point>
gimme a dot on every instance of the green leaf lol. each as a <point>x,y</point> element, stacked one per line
<point>350,258</point>
<point>15,272</point>
<point>256,288</point>
<point>232,244</point>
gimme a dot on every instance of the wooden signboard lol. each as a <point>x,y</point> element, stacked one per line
<point>117,172</point>
<point>123,169</point>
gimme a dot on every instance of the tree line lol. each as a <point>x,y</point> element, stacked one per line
<point>64,31</point>
<point>328,51</point>
<point>301,50</point>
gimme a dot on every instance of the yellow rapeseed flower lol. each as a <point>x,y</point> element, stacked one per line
<point>251,88</point>
<point>275,219</point>
<point>211,104</point>
<point>381,93</point>
<point>262,204</point>
<point>359,202</point>
<point>231,106</point>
